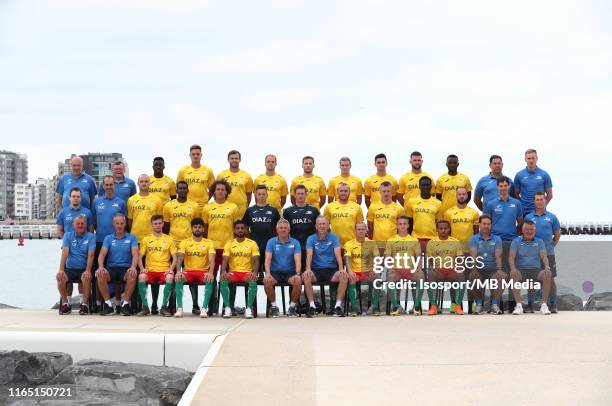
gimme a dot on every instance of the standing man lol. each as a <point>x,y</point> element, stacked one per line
<point>261,219</point>
<point>274,183</point>
<point>66,216</point>
<point>549,230</point>
<point>141,208</point>
<point>315,187</point>
<point>382,216</point>
<point>447,184</point>
<point>302,218</point>
<point>486,188</point>
<point>422,212</point>
<point>373,183</point>
<point>359,260</point>
<point>178,214</point>
<point>531,180</point>
<point>408,186</point>
<point>199,177</point>
<point>124,186</point>
<point>463,219</point>
<point>240,181</point>
<point>343,214</point>
<point>104,209</point>
<point>77,178</point>
<point>345,176</point>
<point>162,186</point>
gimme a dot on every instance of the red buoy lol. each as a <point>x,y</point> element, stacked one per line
<point>21,240</point>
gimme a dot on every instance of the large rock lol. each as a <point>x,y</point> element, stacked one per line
<point>569,302</point>
<point>5,306</point>
<point>23,368</point>
<point>599,301</point>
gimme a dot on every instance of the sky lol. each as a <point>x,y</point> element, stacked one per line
<point>324,78</point>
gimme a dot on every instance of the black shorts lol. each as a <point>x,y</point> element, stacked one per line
<point>324,275</point>
<point>552,262</point>
<point>73,274</point>
<point>117,274</point>
<point>530,274</point>
<point>282,277</point>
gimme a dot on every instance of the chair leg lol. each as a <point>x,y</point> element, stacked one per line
<point>358,287</point>
<point>283,296</point>
<point>323,300</point>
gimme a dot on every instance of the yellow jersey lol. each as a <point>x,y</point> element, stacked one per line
<point>196,254</point>
<point>423,213</point>
<point>140,210</point>
<point>384,219</point>
<point>220,219</point>
<point>353,182</point>
<point>361,257</point>
<point>407,245</point>
<point>240,255</point>
<point>163,188</point>
<point>315,188</point>
<point>462,223</point>
<point>371,187</point>
<point>241,183</point>
<point>199,180</point>
<point>447,186</point>
<point>276,186</point>
<point>408,185</point>
<point>158,251</point>
<point>342,219</point>
<point>441,254</point>
<point>179,215</point>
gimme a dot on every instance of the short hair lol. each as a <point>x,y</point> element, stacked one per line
<point>156,217</point>
<point>386,184</point>
<point>223,182</point>
<point>233,152</point>
<point>108,177</point>
<point>158,158</point>
<point>381,155</point>
<point>283,221</point>
<point>300,187</point>
<point>530,151</point>
<point>492,157</point>
<point>529,223</point>
<point>76,189</point>
<point>540,194</point>
<point>239,222</point>
<point>182,182</point>
<point>321,217</point>
<point>272,155</point>
<point>415,153</point>
<point>401,218</point>
<point>343,184</point>
<point>502,179</point>
<point>197,222</point>
<point>261,187</point>
<point>118,162</point>
<point>485,217</point>
<point>442,221</point>
<point>346,159</point>
<point>80,216</point>
<point>425,177</point>
<point>452,156</point>
<point>307,157</point>
<point>361,223</point>
<point>195,146</point>
<point>119,215</point>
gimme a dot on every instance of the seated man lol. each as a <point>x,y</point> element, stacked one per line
<point>442,252</point>
<point>241,257</point>
<point>283,263</point>
<point>359,261</point>
<point>78,248</point>
<point>117,264</point>
<point>324,265</point>
<point>159,254</point>
<point>196,257</point>
<point>527,255</point>
<point>404,245</point>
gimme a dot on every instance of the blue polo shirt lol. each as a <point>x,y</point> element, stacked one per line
<point>546,224</point>
<point>85,183</point>
<point>119,250</point>
<point>504,214</point>
<point>323,256</point>
<point>283,254</point>
<point>527,252</point>
<point>485,249</point>
<point>104,209</point>
<point>125,189</point>
<point>68,214</point>
<point>79,247</point>
<point>528,183</point>
<point>486,188</point>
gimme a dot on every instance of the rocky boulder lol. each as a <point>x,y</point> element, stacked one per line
<point>599,301</point>
<point>569,302</point>
<point>23,368</point>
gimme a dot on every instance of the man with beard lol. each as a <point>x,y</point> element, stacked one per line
<point>447,184</point>
<point>274,183</point>
<point>408,185</point>
<point>240,181</point>
<point>486,188</point>
<point>315,186</point>
<point>162,186</point>
<point>372,185</point>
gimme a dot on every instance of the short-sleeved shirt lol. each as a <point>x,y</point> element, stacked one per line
<point>408,185</point>
<point>447,186</point>
<point>163,188</point>
<point>505,214</point>
<point>360,256</point>
<point>462,223</point>
<point>198,180</point>
<point>67,215</point>
<point>125,189</point>
<point>315,188</point>
<point>220,219</point>
<point>528,183</point>
<point>423,213</point>
<point>84,182</point>
<point>179,215</point>
<point>384,219</point>
<point>546,225</point>
<point>261,221</point>
<point>140,210</point>
<point>353,182</point>
<point>241,183</point>
<point>407,245</point>
<point>371,187</point>
<point>486,188</point>
<point>283,254</point>
<point>119,250</point>
<point>323,255</point>
<point>342,219</point>
<point>196,254</point>
<point>441,254</point>
<point>158,251</point>
<point>240,254</point>
<point>276,186</point>
<point>302,222</point>
<point>485,249</point>
<point>79,247</point>
<point>104,210</point>
<point>527,252</point>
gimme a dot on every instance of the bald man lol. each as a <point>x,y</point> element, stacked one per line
<point>76,178</point>
<point>141,207</point>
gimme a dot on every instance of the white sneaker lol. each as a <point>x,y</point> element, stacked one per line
<point>518,309</point>
<point>544,309</point>
<point>178,313</point>
<point>248,313</point>
<point>204,313</point>
<point>227,313</point>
